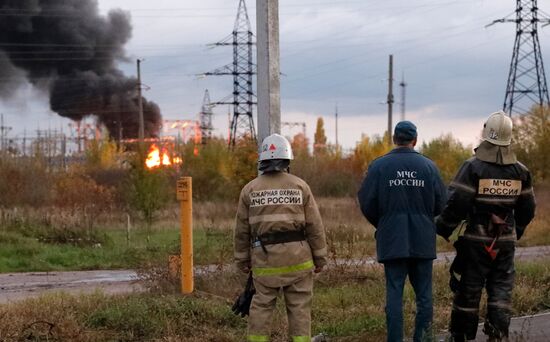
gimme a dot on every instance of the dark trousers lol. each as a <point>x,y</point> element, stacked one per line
<point>497,276</point>
<point>420,276</point>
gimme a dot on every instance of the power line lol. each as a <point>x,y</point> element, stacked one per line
<point>362,76</point>
<point>526,79</point>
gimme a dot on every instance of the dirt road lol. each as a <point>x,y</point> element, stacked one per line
<point>17,286</point>
<point>534,328</point>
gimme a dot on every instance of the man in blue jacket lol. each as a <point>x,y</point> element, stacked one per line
<point>400,196</point>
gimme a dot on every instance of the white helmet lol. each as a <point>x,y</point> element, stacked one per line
<point>275,146</point>
<point>498,129</point>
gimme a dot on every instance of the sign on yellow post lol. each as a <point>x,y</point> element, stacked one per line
<point>184,192</point>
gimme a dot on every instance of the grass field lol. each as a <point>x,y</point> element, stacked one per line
<point>29,244</point>
<point>348,305</point>
<point>348,301</point>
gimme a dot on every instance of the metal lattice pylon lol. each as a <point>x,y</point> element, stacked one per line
<point>242,69</point>
<point>206,118</point>
<point>526,85</point>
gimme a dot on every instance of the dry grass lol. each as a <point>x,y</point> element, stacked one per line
<point>30,236</point>
<point>348,305</point>
<point>98,317</point>
<point>349,235</point>
<point>348,302</point>
<point>538,232</point>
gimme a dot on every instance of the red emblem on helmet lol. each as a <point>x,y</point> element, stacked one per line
<point>272,147</point>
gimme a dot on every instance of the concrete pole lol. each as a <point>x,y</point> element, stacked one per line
<point>269,85</point>
<point>2,132</point>
<point>336,119</point>
<point>141,134</point>
<point>403,86</point>
<point>390,99</point>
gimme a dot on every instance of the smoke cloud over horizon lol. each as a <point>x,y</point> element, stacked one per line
<point>66,48</point>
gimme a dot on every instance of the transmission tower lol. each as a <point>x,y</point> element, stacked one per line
<point>242,69</point>
<point>526,80</point>
<point>3,133</point>
<point>206,118</point>
<point>292,125</point>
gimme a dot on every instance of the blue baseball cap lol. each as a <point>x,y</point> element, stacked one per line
<point>405,130</point>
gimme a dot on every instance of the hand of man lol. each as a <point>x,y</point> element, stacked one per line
<point>318,269</point>
<point>244,266</point>
<point>445,233</point>
<point>519,232</point>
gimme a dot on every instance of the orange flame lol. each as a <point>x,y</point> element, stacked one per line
<point>157,158</point>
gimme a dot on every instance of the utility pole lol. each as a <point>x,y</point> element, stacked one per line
<point>403,86</point>
<point>269,88</point>
<point>336,131</point>
<point>119,121</point>
<point>390,99</point>
<point>25,142</point>
<point>141,134</point>
<point>79,136</point>
<point>2,133</point>
<point>228,125</point>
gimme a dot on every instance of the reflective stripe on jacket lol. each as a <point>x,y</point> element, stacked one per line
<point>278,202</point>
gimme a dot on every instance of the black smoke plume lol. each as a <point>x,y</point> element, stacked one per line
<point>68,49</point>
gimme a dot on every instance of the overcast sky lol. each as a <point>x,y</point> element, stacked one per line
<point>332,52</point>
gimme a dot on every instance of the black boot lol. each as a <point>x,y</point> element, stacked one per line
<point>457,338</point>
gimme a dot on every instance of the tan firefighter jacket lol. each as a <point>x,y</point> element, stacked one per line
<point>278,202</point>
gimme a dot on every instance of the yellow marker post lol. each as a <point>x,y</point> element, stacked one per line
<point>185,196</point>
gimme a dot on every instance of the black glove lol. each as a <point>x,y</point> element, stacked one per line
<point>242,303</point>
<point>519,231</point>
<point>442,229</point>
<point>444,232</point>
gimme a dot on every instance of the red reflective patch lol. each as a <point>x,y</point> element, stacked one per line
<point>272,147</point>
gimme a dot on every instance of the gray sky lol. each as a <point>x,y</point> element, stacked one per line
<point>332,52</point>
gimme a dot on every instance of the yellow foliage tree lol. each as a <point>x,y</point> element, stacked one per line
<point>368,149</point>
<point>320,138</point>
<point>102,154</point>
<point>447,153</point>
<point>531,141</point>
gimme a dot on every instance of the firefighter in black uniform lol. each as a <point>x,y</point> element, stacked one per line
<point>493,193</point>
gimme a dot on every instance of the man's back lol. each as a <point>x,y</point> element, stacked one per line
<point>482,189</point>
<point>400,196</point>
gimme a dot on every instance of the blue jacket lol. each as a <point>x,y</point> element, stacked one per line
<point>400,196</point>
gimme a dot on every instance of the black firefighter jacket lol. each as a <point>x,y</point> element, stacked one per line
<point>486,186</point>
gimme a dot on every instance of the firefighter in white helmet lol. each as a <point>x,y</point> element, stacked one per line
<point>493,193</point>
<point>280,238</point>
